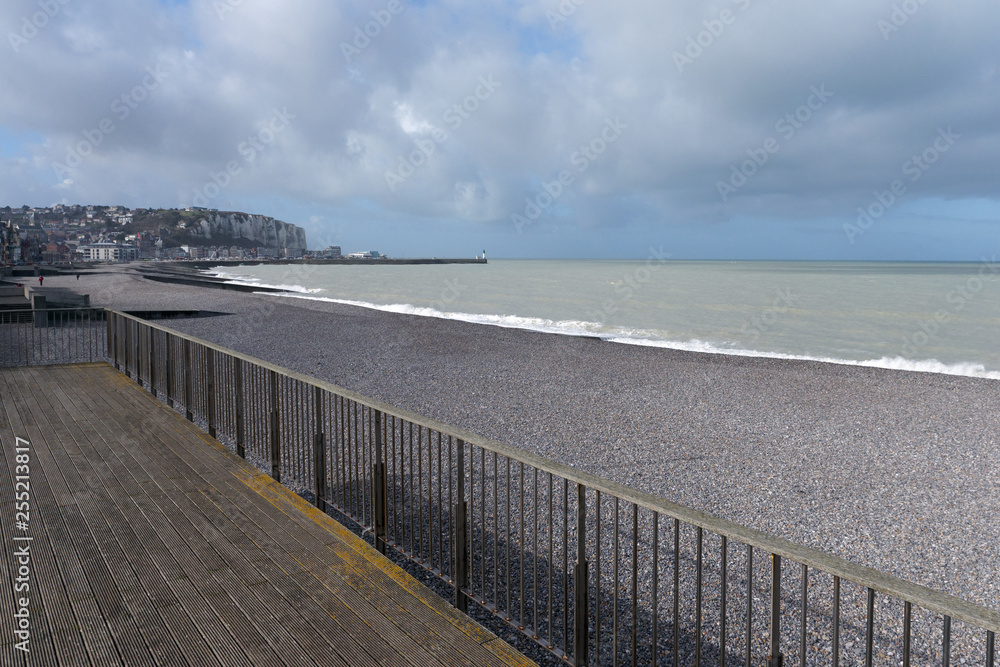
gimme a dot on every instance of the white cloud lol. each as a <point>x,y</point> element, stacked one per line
<point>755,62</point>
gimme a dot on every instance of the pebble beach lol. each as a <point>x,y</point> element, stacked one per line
<point>899,471</point>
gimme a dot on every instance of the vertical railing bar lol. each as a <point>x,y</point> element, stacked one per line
<point>581,615</point>
<point>210,389</point>
<point>803,619</point>
<point>614,597</point>
<point>534,560</point>
<point>522,621</point>
<point>441,507</point>
<point>319,451</point>
<point>870,629</point>
<point>380,492</point>
<point>398,502</point>
<point>414,504</point>
<point>775,659</point>
<point>749,630</point>
<point>496,530</point>
<point>699,542</point>
<point>461,531</point>
<point>723,576</point>
<point>677,593</point>
<point>482,520</point>
<point>836,621</point>
<point>451,505</point>
<point>551,560</point>
<point>946,643</point>
<point>152,361</point>
<point>275,437</point>
<point>420,492</point>
<point>654,651</point>
<point>340,423</point>
<point>598,547</point>
<point>188,408</point>
<point>171,389</point>
<point>508,539</point>
<point>907,624</point>
<point>470,503</point>
<point>990,649</point>
<point>635,584</point>
<point>565,605</point>
<point>238,390</point>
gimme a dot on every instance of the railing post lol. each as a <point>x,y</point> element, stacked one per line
<point>775,659</point>
<point>319,451</point>
<point>137,356</point>
<point>126,346</point>
<point>171,389</point>
<point>152,360</point>
<point>111,342</point>
<point>380,504</point>
<point>461,535</point>
<point>275,439</point>
<point>238,381</point>
<point>210,389</point>
<point>188,412</point>
<point>581,581</point>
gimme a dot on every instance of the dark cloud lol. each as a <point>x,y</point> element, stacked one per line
<point>378,88</point>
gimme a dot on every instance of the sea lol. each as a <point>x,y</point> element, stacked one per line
<point>920,317</point>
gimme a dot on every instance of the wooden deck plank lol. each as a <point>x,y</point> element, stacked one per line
<point>80,596</point>
<point>168,549</point>
<point>322,618</point>
<point>416,611</point>
<point>145,639</point>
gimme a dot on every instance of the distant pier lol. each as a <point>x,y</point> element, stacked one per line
<point>208,263</point>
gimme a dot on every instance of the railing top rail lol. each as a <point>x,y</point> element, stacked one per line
<point>919,595</point>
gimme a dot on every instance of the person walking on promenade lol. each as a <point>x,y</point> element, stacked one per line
<point>40,279</point>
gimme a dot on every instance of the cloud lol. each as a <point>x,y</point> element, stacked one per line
<point>701,86</point>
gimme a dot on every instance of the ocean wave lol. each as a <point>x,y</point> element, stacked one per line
<point>255,282</point>
<point>649,338</point>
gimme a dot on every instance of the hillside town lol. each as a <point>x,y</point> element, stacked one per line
<point>62,234</point>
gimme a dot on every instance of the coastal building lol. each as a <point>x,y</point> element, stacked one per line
<point>331,252</point>
<point>110,252</point>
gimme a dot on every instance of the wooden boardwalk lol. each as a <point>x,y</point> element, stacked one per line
<point>153,544</point>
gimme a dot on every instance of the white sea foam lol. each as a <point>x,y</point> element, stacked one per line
<point>255,282</point>
<point>647,338</point>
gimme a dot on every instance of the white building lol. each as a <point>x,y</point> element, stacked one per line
<point>110,252</point>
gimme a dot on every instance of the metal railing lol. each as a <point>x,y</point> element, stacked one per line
<point>595,572</point>
<point>52,336</point>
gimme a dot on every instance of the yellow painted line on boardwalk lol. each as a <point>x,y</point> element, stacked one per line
<point>361,556</point>
<point>349,547</point>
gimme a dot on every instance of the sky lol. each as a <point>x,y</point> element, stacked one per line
<point>732,129</point>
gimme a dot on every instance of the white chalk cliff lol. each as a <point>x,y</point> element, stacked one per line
<point>259,229</point>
